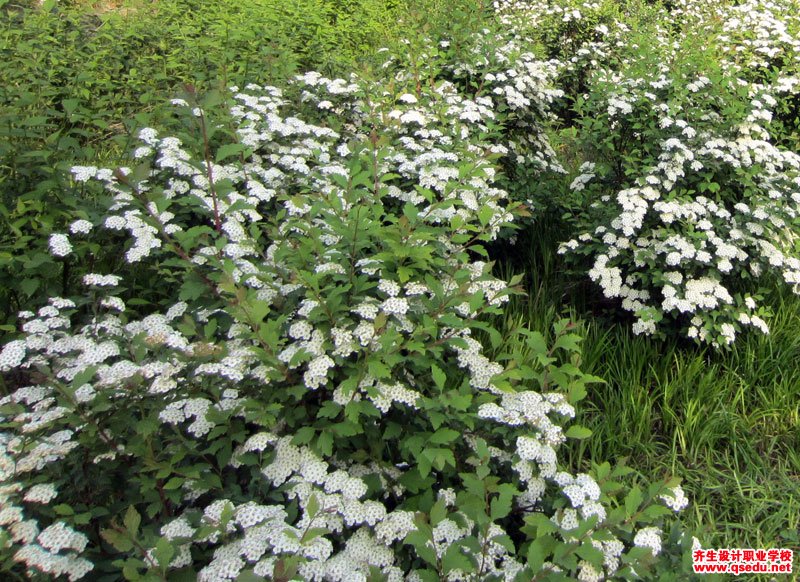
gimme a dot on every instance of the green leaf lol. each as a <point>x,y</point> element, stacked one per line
<point>537,553</point>
<point>378,369</point>
<point>444,436</point>
<point>443,458</point>
<point>325,443</point>
<point>63,509</point>
<point>130,572</point>
<point>589,553</point>
<point>346,428</point>
<point>132,520</point>
<point>536,343</point>
<point>633,500</point>
<point>438,512</point>
<point>147,426</point>
<point>313,507</point>
<point>164,551</point>
<point>455,559</point>
<point>655,511</point>
<point>314,532</point>
<point>423,465</point>
<point>29,286</point>
<point>578,432</point>
<point>329,410</point>
<point>439,376</point>
<point>500,507</point>
<point>228,150</point>
<point>419,540</point>
<point>506,542</point>
<point>437,419</point>
<point>541,523</point>
<point>249,576</point>
<point>173,483</point>
<point>82,518</point>
<point>485,215</point>
<point>121,542</point>
<point>304,435</point>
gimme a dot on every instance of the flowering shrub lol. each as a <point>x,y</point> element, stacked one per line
<point>318,404</point>
<point>514,92</point>
<point>688,202</point>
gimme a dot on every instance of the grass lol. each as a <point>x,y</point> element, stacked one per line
<point>727,423</point>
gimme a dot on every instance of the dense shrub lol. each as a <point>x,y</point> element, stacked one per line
<point>317,404</point>
<point>685,202</point>
<point>79,78</point>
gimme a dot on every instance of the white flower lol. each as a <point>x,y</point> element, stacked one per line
<point>395,306</point>
<point>12,355</point>
<point>677,500</point>
<point>60,245</point>
<point>80,227</point>
<point>43,493</point>
<point>95,280</point>
<point>84,173</point>
<point>649,537</point>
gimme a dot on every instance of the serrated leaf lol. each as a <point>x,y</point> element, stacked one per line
<point>312,508</point>
<point>314,532</point>
<point>536,555</point>
<point>130,572</point>
<point>164,551</point>
<point>500,507</point>
<point>118,540</point>
<point>455,559</point>
<point>304,435</point>
<point>325,443</point>
<point>632,501</point>
<point>439,376</point>
<point>505,541</point>
<point>591,554</point>
<point>228,150</point>
<point>438,512</point>
<point>444,436</point>
<point>485,215</point>
<point>132,520</point>
<point>378,369</point>
<point>536,343</point>
<point>173,483</point>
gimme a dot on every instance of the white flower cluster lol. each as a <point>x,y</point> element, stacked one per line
<point>649,537</point>
<point>676,499</point>
<point>60,245</point>
<point>54,550</point>
<point>717,201</point>
<point>95,280</point>
<point>257,535</point>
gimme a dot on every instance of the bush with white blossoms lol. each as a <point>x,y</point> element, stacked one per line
<point>690,206</point>
<point>317,404</point>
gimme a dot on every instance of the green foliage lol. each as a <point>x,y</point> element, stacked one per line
<point>78,79</point>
